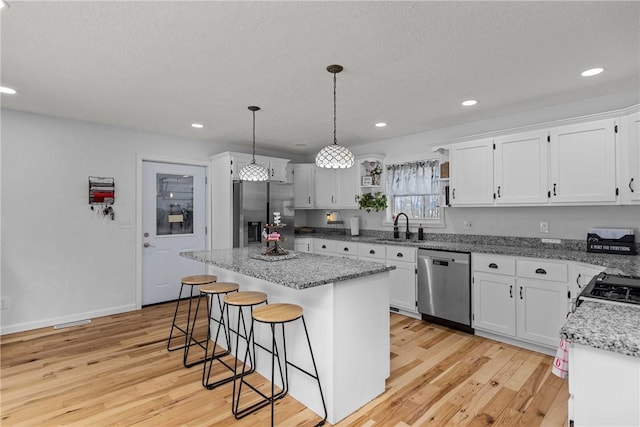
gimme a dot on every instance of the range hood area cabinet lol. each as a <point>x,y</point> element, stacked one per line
<point>588,163</point>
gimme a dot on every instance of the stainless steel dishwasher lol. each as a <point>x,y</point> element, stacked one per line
<point>444,288</point>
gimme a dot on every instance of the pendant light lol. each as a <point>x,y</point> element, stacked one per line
<point>334,156</point>
<point>253,171</point>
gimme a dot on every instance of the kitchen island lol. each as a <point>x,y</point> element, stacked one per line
<point>346,308</point>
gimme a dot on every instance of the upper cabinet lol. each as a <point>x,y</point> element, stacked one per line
<point>520,168</point>
<point>335,188</point>
<point>304,185</point>
<point>471,172</point>
<point>277,168</point>
<point>582,163</point>
<point>629,156</point>
<point>566,165</point>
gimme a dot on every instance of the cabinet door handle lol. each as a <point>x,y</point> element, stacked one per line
<point>273,172</point>
<point>554,189</point>
<point>324,247</point>
<point>453,193</point>
<point>346,249</point>
<point>510,291</point>
<point>578,280</point>
<point>520,292</point>
<point>498,191</point>
<point>630,187</point>
<point>372,252</point>
<point>309,199</point>
<point>493,265</point>
<point>541,271</point>
<point>399,255</point>
<point>332,199</point>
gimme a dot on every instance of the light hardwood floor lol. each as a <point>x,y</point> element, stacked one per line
<point>116,372</point>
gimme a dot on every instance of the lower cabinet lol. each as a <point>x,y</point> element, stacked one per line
<point>303,245</point>
<point>403,286</point>
<point>494,307</point>
<point>529,304</point>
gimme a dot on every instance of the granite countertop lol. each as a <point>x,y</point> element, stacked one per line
<point>605,326</point>
<point>614,264</point>
<point>305,271</point>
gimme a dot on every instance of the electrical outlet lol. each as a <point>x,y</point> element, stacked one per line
<point>4,303</point>
<point>544,227</point>
<point>468,225</point>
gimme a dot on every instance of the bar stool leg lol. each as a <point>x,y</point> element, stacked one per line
<point>206,373</point>
<point>315,370</point>
<point>190,341</point>
<point>266,400</point>
<point>173,323</point>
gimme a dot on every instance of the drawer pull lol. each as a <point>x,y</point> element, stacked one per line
<point>399,255</point>
<point>324,246</point>
<point>493,265</point>
<point>346,249</point>
<point>541,271</point>
<point>372,252</point>
<point>510,291</point>
<point>520,292</point>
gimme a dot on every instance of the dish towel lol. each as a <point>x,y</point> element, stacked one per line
<point>561,362</point>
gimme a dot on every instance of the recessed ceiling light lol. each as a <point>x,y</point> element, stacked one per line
<point>301,145</point>
<point>4,4</point>
<point>197,125</point>
<point>469,102</point>
<point>7,90</point>
<point>591,72</point>
<point>380,124</point>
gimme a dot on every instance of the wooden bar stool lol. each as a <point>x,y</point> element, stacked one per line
<point>190,281</point>
<point>208,292</point>
<point>277,314</point>
<point>240,300</point>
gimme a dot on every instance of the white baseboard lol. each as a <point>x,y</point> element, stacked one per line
<point>518,343</point>
<point>27,326</point>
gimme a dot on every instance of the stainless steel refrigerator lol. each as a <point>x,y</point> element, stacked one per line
<point>253,206</point>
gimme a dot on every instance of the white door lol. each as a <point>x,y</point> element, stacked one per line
<point>472,173</point>
<point>173,220</point>
<point>521,168</point>
<point>583,162</point>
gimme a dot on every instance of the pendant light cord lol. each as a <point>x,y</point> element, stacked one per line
<point>335,139</point>
<point>253,160</point>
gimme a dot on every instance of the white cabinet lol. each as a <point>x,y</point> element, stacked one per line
<point>523,298</point>
<point>347,249</point>
<point>541,300</point>
<point>336,188</point>
<point>324,246</point>
<point>629,149</point>
<point>303,185</point>
<point>303,244</point>
<point>603,387</point>
<point>520,169</point>
<point>404,279</point>
<point>471,171</point>
<point>276,168</point>
<point>493,285</point>
<point>582,163</point>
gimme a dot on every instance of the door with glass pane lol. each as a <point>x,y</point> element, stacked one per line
<point>173,220</point>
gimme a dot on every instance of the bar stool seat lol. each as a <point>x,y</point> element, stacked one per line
<point>211,290</point>
<point>190,281</point>
<point>241,300</point>
<point>273,315</point>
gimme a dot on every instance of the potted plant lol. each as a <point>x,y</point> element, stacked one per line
<point>372,201</point>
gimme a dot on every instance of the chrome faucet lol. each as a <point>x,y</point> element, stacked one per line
<point>396,234</point>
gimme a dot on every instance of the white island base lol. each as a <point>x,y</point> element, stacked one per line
<point>348,323</point>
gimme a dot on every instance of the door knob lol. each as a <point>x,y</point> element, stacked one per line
<point>147,244</point>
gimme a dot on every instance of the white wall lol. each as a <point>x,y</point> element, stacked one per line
<point>61,262</point>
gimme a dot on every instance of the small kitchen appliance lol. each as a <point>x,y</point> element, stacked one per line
<point>612,289</point>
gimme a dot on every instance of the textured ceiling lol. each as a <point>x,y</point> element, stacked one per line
<point>159,66</point>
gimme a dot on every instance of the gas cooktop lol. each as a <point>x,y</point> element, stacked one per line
<point>612,288</point>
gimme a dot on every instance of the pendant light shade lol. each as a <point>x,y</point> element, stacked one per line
<point>253,171</point>
<point>334,156</point>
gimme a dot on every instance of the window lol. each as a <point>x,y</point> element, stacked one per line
<point>414,188</point>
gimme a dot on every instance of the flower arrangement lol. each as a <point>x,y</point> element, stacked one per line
<point>374,169</point>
